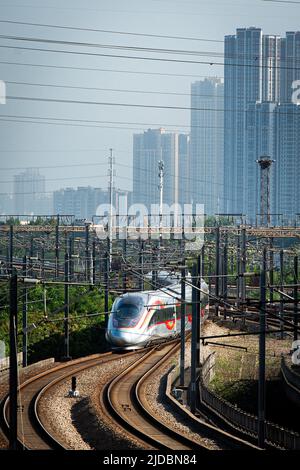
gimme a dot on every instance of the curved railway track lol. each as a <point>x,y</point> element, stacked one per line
<point>32,432</point>
<point>125,399</point>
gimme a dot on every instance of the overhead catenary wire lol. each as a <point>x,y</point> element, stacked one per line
<point>108,31</point>
<point>140,105</point>
<point>146,58</point>
<point>95,69</point>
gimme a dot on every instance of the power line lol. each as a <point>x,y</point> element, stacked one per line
<point>127,33</point>
<point>159,59</point>
<point>140,49</point>
<point>280,1</point>
<point>144,124</point>
<point>51,85</point>
<point>116,56</point>
<point>136,105</point>
<point>21,121</point>
<point>58,179</point>
<point>112,46</point>
<point>93,69</point>
<point>54,151</point>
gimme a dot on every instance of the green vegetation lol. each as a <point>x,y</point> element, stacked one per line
<point>47,339</point>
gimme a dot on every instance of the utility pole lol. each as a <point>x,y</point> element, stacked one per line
<point>271,270</point>
<point>141,263</point>
<point>57,248</point>
<point>87,253</point>
<point>161,167</point>
<point>198,284</point>
<point>124,270</point>
<point>217,270</point>
<point>182,324</point>
<point>296,298</point>
<point>281,295</point>
<point>238,265</point>
<point>194,340</point>
<point>111,173</point>
<point>243,270</point>
<point>225,272</point>
<point>262,355</point>
<point>67,310</point>
<point>24,313</point>
<point>94,262</point>
<point>11,247</point>
<point>106,286</point>
<point>43,260</point>
<point>71,254</point>
<point>13,362</point>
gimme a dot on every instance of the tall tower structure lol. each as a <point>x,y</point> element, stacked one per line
<point>265,163</point>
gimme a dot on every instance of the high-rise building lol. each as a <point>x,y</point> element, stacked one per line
<point>84,201</point>
<point>29,193</point>
<point>290,64</point>
<point>252,66</point>
<point>287,161</point>
<point>207,144</point>
<point>149,148</point>
<point>261,119</point>
<point>6,204</point>
<point>184,149</point>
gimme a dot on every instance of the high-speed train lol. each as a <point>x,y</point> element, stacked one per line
<point>141,318</point>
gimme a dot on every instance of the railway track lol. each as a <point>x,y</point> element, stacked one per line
<point>125,399</point>
<point>32,431</point>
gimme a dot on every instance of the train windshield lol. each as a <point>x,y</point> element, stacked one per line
<point>127,311</point>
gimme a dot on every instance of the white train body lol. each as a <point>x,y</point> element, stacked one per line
<point>138,319</point>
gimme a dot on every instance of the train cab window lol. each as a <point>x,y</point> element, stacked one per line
<point>128,310</point>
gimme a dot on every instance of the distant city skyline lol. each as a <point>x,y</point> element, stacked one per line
<point>40,142</point>
<point>260,119</point>
<point>150,147</point>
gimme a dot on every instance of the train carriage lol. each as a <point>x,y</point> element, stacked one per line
<point>141,318</point>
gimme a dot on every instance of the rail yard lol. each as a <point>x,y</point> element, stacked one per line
<point>166,394</point>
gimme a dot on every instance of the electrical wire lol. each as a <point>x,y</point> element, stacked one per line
<point>92,69</point>
<point>126,33</point>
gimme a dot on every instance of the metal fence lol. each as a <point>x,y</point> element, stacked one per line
<point>239,419</point>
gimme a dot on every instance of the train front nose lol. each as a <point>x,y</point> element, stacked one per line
<point>121,338</point>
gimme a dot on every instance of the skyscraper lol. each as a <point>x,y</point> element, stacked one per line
<point>252,65</point>
<point>207,144</point>
<point>149,148</point>
<point>29,192</point>
<point>84,201</point>
<point>287,164</point>
<point>290,64</point>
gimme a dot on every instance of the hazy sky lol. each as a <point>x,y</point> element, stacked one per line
<point>42,144</point>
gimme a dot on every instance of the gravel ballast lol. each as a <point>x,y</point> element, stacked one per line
<point>80,423</point>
